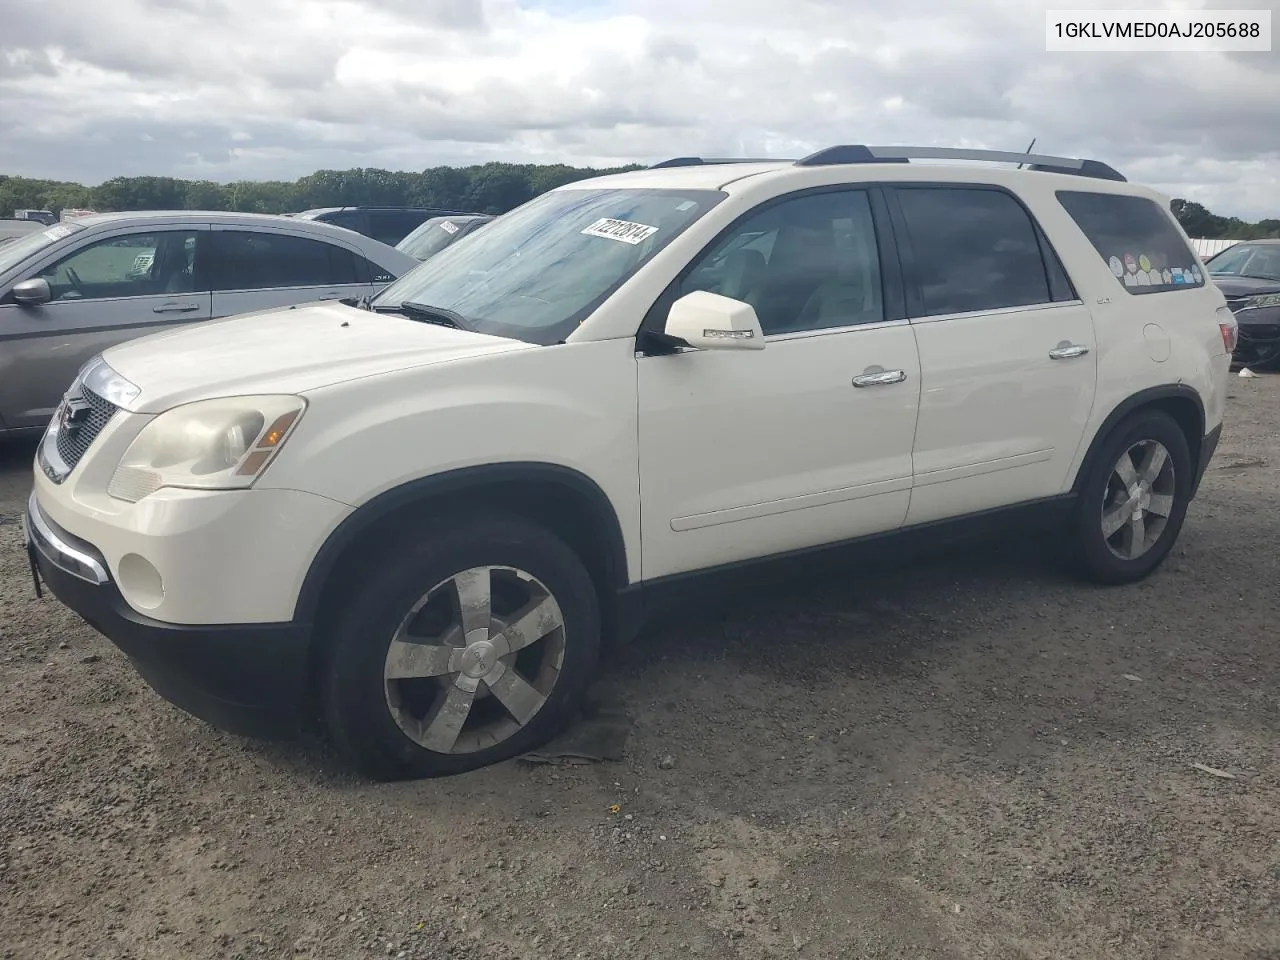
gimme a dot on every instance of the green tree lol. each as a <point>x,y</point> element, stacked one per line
<point>1197,221</point>
<point>497,188</point>
<point>206,195</point>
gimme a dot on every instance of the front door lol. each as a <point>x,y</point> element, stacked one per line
<point>108,290</point>
<point>1007,351</point>
<point>744,454</point>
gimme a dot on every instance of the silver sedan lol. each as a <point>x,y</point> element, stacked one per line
<point>71,290</point>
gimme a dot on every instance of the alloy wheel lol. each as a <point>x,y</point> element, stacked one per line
<point>1139,499</point>
<point>475,660</point>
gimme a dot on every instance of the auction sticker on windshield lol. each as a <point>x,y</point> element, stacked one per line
<point>448,226</point>
<point>623,230</point>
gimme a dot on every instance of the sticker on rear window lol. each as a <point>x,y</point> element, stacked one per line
<point>58,232</point>
<point>623,230</point>
<point>448,226</point>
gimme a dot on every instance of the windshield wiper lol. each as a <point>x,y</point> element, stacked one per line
<point>428,314</point>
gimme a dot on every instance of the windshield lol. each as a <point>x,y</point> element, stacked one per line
<point>1247,260</point>
<point>12,254</point>
<point>432,237</point>
<point>537,272</point>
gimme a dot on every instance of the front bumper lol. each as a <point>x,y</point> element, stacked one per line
<point>1259,344</point>
<point>249,679</point>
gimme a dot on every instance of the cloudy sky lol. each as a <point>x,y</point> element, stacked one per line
<point>231,89</point>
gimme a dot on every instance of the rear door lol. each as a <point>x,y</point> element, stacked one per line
<point>261,269</point>
<point>1007,351</point>
<point>107,290</point>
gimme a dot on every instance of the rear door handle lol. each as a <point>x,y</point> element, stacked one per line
<point>176,308</point>
<point>1067,350</point>
<point>876,377</point>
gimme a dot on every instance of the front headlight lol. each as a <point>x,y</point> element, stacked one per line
<point>220,444</point>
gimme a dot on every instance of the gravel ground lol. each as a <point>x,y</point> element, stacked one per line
<point>963,757</point>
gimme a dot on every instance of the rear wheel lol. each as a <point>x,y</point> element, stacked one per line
<point>1134,500</point>
<point>470,644</point>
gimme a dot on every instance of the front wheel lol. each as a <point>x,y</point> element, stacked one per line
<point>471,643</point>
<point>1133,502</point>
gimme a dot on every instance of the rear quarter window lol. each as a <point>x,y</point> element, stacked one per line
<point>1137,240</point>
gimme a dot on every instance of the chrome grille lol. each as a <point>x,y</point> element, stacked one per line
<point>75,436</point>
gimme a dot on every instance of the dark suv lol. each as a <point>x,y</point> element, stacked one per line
<point>1248,274</point>
<point>390,225</point>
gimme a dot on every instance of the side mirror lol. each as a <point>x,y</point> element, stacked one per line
<point>31,293</point>
<point>708,321</point>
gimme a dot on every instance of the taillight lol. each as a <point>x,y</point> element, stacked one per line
<point>1229,328</point>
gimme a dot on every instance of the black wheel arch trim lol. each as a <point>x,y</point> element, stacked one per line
<point>1131,404</point>
<point>604,518</point>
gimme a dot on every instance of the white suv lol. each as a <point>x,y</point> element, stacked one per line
<point>420,516</point>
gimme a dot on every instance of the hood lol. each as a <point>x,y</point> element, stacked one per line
<point>1244,286</point>
<point>290,350</point>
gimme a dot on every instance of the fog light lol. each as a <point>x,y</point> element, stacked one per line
<point>140,582</point>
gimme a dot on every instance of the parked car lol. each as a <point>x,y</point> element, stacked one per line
<point>387,224</point>
<point>47,217</point>
<point>73,289</point>
<point>1248,273</point>
<point>438,232</point>
<point>428,516</point>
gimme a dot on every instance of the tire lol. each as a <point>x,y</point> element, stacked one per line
<point>398,710</point>
<point>1106,554</point>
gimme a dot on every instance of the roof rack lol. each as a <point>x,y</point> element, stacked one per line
<point>858,153</point>
<point>700,161</point>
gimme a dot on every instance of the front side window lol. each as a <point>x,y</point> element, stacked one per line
<point>1137,239</point>
<point>807,263</point>
<point>537,272</point>
<point>1257,260</point>
<point>245,260</point>
<point>135,265</point>
<point>973,250</point>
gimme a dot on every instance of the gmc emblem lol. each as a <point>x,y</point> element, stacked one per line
<point>74,413</point>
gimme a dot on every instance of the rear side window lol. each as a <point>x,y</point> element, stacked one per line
<point>972,250</point>
<point>259,261</point>
<point>392,226</point>
<point>350,219</point>
<point>1137,240</point>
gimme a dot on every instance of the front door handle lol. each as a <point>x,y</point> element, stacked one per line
<point>176,308</point>
<point>877,377</point>
<point>1067,350</point>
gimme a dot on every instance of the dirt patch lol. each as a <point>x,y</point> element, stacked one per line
<point>964,757</point>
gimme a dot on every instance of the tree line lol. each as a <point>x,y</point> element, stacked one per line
<point>483,188</point>
<point>1199,222</point>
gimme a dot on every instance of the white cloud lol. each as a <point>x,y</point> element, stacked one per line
<point>230,89</point>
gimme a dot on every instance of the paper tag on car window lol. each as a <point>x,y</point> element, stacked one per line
<point>58,232</point>
<point>623,230</point>
<point>448,226</point>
